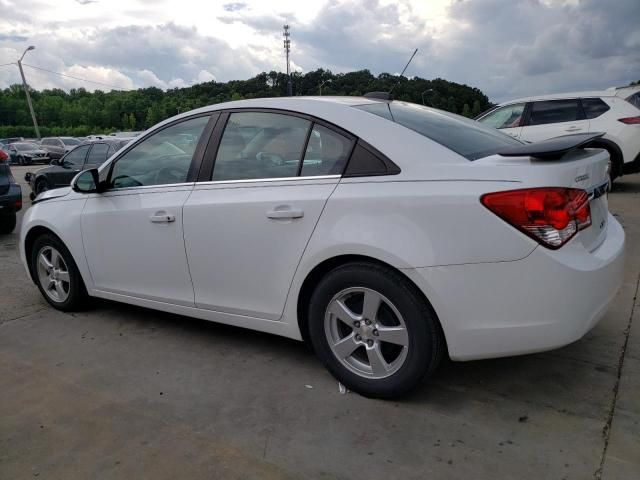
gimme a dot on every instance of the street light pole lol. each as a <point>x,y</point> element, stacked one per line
<point>26,90</point>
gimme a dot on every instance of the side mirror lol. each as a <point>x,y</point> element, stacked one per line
<point>55,161</point>
<point>86,181</point>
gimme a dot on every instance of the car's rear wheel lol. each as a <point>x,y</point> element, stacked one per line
<point>56,274</point>
<point>21,160</point>
<point>7,223</point>
<point>373,330</point>
<point>41,186</point>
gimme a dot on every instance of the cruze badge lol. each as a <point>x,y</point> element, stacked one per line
<point>581,178</point>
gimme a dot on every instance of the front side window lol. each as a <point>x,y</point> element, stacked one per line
<point>98,154</point>
<point>466,137</point>
<point>326,154</point>
<point>75,158</point>
<point>554,111</point>
<point>509,116</point>
<point>161,159</point>
<point>257,145</point>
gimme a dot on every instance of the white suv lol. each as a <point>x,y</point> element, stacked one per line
<point>615,112</point>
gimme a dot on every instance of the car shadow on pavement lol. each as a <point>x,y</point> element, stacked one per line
<point>622,186</point>
<point>558,380</point>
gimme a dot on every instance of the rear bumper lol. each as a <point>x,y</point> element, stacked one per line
<point>544,301</point>
<point>11,201</point>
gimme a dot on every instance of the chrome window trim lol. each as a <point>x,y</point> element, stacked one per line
<point>147,187</point>
<point>278,179</point>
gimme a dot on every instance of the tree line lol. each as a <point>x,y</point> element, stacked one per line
<point>80,112</point>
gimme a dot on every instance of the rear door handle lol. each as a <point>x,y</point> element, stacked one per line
<point>283,212</point>
<point>162,218</point>
<point>572,129</point>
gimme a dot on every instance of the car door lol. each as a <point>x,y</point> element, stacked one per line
<point>69,166</point>
<point>247,225</point>
<point>132,232</point>
<point>508,119</point>
<point>553,118</point>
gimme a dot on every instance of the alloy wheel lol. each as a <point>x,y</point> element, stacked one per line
<point>366,333</point>
<point>53,274</point>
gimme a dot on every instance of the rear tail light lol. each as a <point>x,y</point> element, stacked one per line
<point>630,120</point>
<point>551,216</point>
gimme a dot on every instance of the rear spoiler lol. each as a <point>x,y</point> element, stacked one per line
<point>551,149</point>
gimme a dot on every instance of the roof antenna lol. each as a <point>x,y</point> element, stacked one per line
<point>387,95</point>
<point>403,70</point>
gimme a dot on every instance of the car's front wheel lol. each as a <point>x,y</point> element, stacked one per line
<point>56,274</point>
<point>373,330</point>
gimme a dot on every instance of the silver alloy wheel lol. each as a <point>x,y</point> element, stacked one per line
<point>53,274</point>
<point>371,341</point>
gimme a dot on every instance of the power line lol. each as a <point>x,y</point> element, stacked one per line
<point>7,64</point>
<point>71,76</point>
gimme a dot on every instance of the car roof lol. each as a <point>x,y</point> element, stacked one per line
<point>609,92</point>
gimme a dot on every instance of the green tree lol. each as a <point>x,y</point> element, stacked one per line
<point>466,111</point>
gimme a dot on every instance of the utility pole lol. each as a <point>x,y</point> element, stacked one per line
<point>26,90</point>
<point>287,48</point>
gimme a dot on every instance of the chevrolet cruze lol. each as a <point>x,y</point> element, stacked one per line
<point>384,233</point>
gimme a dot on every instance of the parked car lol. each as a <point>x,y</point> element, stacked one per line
<point>56,147</point>
<point>615,112</point>
<point>89,154</point>
<point>384,233</point>
<point>10,196</point>
<point>26,153</point>
<point>7,141</point>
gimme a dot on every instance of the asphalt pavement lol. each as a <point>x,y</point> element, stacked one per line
<point>119,392</point>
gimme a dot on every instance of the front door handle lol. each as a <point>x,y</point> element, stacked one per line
<point>162,218</point>
<point>285,212</point>
<point>572,129</point>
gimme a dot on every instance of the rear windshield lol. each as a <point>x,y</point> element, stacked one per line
<point>465,137</point>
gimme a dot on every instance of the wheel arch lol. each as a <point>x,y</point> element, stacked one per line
<point>617,159</point>
<point>319,271</point>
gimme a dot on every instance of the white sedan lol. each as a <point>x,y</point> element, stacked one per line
<point>384,233</point>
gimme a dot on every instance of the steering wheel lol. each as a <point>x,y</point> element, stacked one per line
<point>270,159</point>
<point>171,174</point>
<point>134,182</point>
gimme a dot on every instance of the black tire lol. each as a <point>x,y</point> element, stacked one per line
<point>41,186</point>
<point>7,223</point>
<point>426,344</point>
<point>21,160</point>
<point>77,296</point>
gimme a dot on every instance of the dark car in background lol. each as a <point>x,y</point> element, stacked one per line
<point>57,147</point>
<point>26,153</point>
<point>10,196</point>
<point>59,173</point>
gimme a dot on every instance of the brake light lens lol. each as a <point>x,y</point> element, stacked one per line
<point>630,120</point>
<point>551,216</point>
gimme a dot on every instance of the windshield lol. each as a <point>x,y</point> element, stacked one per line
<point>70,141</point>
<point>25,147</point>
<point>465,137</point>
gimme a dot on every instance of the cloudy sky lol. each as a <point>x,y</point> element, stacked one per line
<point>507,48</point>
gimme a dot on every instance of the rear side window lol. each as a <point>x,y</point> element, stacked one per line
<point>465,137</point>
<point>634,99</point>
<point>98,154</point>
<point>554,111</point>
<point>327,152</point>
<point>257,145</point>
<point>593,107</point>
